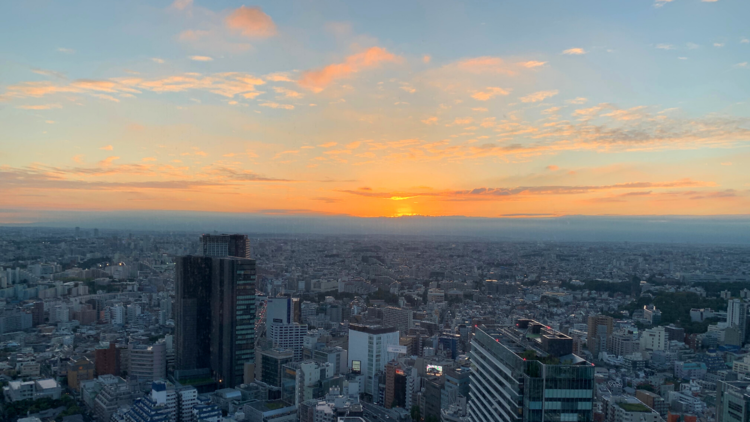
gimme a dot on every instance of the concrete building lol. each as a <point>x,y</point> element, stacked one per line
<point>627,409</point>
<point>78,371</point>
<point>654,339</point>
<point>288,336</point>
<point>107,360</point>
<point>600,328</point>
<point>399,318</point>
<point>115,392</point>
<point>147,363</point>
<point>733,401</point>
<point>32,390</point>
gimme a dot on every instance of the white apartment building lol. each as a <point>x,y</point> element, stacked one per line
<point>369,346</point>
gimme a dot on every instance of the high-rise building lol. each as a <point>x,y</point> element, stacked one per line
<point>288,336</point>
<point>541,379</point>
<point>215,316</point>
<point>600,328</point>
<point>283,310</point>
<point>737,316</point>
<point>224,245</point>
<point>368,346</point>
<point>395,386</point>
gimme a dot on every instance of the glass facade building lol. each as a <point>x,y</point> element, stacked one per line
<point>215,316</point>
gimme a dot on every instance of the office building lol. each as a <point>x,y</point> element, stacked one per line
<point>737,316</point>
<point>733,401</point>
<point>623,344</point>
<point>288,336</point>
<point>600,328</point>
<point>457,384</point>
<point>225,245</point>
<point>544,381</point>
<point>368,346</point>
<point>215,316</point>
<point>654,339</point>
<point>336,356</point>
<point>283,310</point>
<point>272,362</point>
<point>147,362</point>
<point>305,380</point>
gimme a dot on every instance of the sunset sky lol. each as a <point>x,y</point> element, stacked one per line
<point>382,108</point>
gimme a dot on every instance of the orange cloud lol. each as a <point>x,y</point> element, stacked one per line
<point>489,93</point>
<point>538,96</point>
<point>107,148</point>
<point>201,58</point>
<point>532,64</point>
<point>277,105</point>
<point>251,22</point>
<point>108,161</point>
<point>484,193</point>
<point>328,145</point>
<point>426,58</point>
<point>317,80</point>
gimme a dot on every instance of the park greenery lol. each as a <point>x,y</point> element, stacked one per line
<point>11,411</point>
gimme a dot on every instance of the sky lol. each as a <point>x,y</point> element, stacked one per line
<point>493,109</point>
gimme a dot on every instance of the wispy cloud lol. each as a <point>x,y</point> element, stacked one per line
<point>485,193</point>
<point>532,64</point>
<point>574,51</point>
<point>277,105</point>
<point>107,148</point>
<point>489,93</point>
<point>665,46</point>
<point>39,107</point>
<point>538,96</point>
<point>317,80</point>
<point>66,50</point>
<point>201,58</point>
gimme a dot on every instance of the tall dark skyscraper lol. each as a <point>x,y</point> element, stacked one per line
<point>222,245</point>
<point>215,316</point>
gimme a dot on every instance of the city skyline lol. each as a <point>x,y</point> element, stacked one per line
<point>375,110</point>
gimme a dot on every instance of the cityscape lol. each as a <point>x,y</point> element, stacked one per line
<point>129,326</point>
<point>375,211</point>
